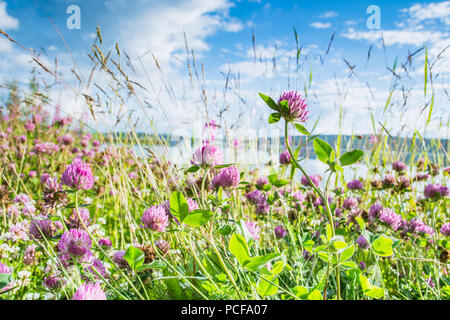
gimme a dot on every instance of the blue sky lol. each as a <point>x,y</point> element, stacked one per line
<point>220,33</point>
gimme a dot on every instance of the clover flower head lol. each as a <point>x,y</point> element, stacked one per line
<point>418,226</point>
<point>280,232</point>
<point>118,258</point>
<point>78,175</point>
<point>297,108</point>
<point>362,242</point>
<point>42,227</point>
<point>4,268</point>
<point>285,157</point>
<point>74,243</point>
<point>262,181</point>
<point>253,229</point>
<point>255,197</point>
<point>375,209</point>
<point>227,178</point>
<point>314,178</point>
<point>355,185</point>
<point>388,180</point>
<point>445,230</point>
<point>105,243</point>
<point>89,291</point>
<point>207,156</point>
<point>403,182</point>
<point>350,203</point>
<point>398,166</point>
<point>52,282</point>
<point>155,218</point>
<point>73,221</point>
<point>390,218</point>
<point>435,191</point>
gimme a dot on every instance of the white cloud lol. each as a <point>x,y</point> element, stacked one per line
<point>422,12</point>
<point>412,30</point>
<point>355,98</point>
<point>249,70</point>
<point>5,45</point>
<point>351,22</point>
<point>6,21</point>
<point>320,25</point>
<point>266,52</point>
<point>159,28</point>
<point>392,37</point>
<point>417,29</point>
<point>328,14</point>
<point>271,61</point>
<point>233,25</point>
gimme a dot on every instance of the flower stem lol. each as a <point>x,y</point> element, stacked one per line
<point>103,251</point>
<point>203,188</point>
<point>222,263</point>
<point>325,201</point>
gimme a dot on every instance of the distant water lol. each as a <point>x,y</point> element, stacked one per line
<point>249,159</point>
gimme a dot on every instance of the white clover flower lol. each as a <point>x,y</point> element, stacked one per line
<point>4,250</point>
<point>124,285</point>
<point>101,220</point>
<point>4,236</point>
<point>14,249</point>
<point>32,296</point>
<point>88,200</point>
<point>15,284</point>
<point>24,274</point>
<point>96,230</point>
<point>24,278</point>
<point>157,273</point>
<point>49,296</point>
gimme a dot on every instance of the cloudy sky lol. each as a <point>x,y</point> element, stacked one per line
<point>240,48</point>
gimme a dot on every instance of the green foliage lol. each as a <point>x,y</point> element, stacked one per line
<point>269,101</point>
<point>274,117</point>
<point>323,150</point>
<point>302,129</point>
<point>210,254</point>
<point>5,278</point>
<point>178,205</point>
<point>347,253</point>
<point>134,257</point>
<point>315,295</point>
<point>180,209</point>
<point>225,230</point>
<point>257,262</point>
<point>369,289</point>
<point>266,288</point>
<point>275,181</point>
<point>156,264</point>
<point>193,169</point>
<point>382,246</point>
<point>350,157</point>
<point>325,153</point>
<point>284,107</point>
<point>197,217</point>
<point>239,248</point>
